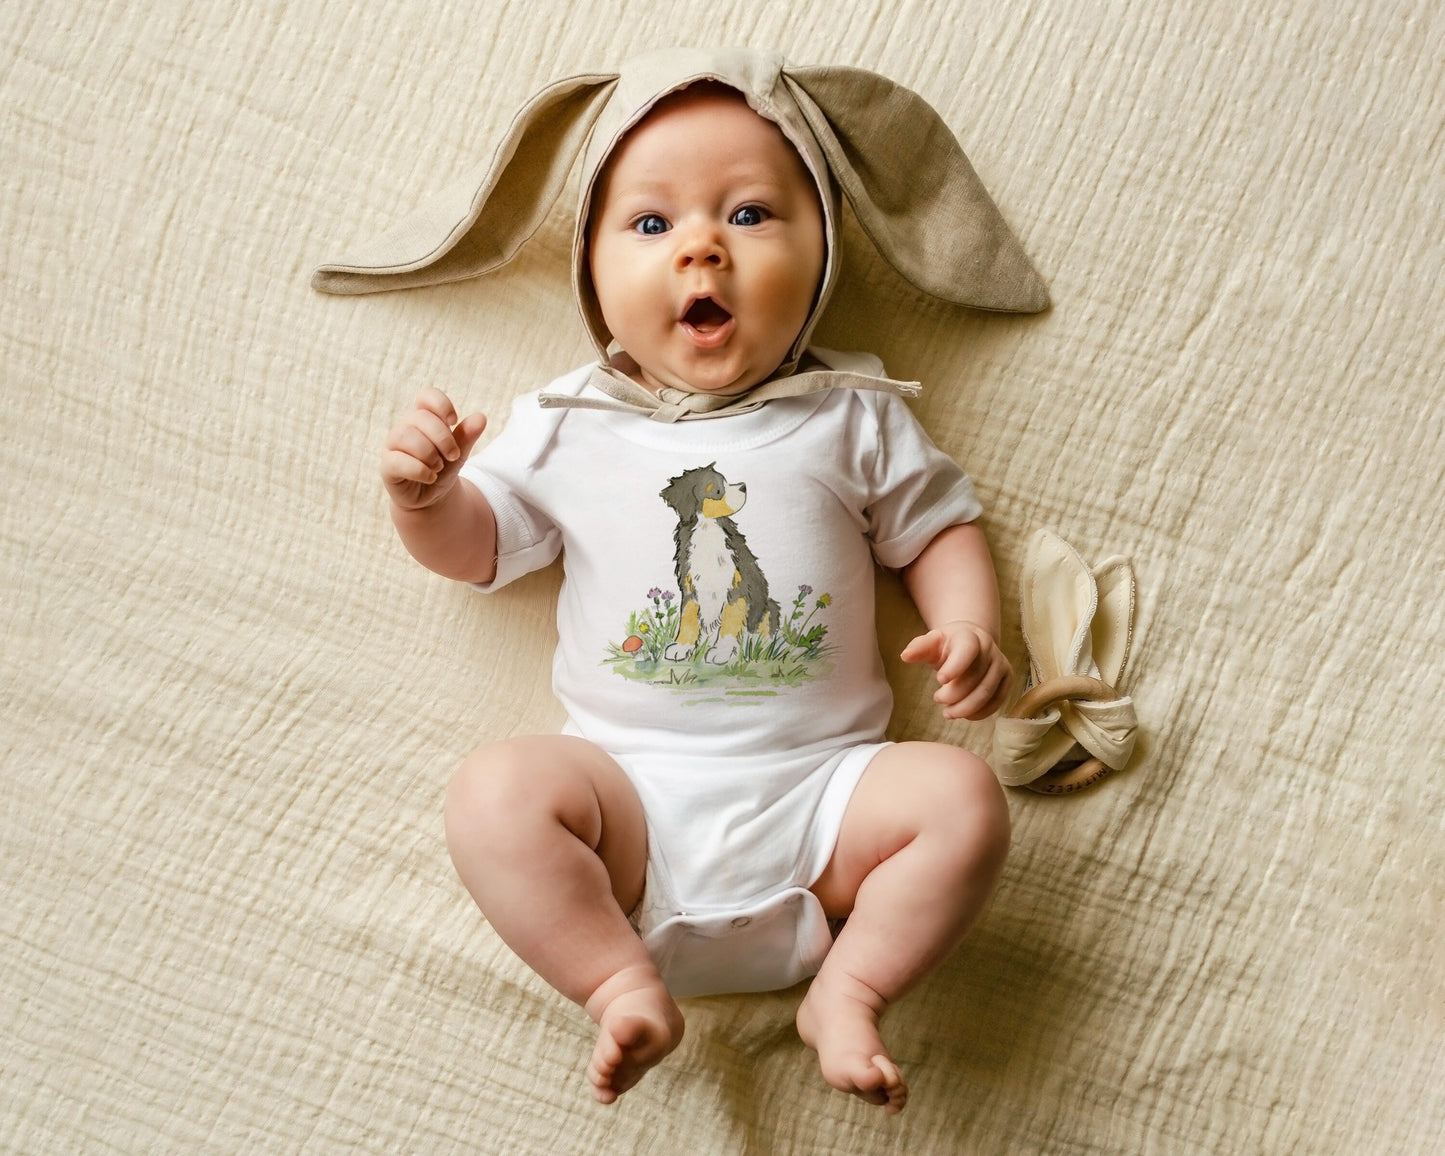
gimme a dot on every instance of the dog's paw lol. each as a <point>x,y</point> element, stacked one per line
<point>676,652</point>
<point>724,652</point>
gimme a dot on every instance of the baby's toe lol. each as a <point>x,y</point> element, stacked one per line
<point>893,1090</point>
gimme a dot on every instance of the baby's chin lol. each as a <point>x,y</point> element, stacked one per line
<point>716,385</point>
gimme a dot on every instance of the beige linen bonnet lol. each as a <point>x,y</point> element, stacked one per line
<point>909,183</point>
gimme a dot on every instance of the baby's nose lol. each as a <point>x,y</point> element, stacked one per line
<point>701,245</point>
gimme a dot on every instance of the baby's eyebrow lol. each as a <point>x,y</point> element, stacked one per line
<point>752,172</point>
<point>638,193</point>
<point>739,173</point>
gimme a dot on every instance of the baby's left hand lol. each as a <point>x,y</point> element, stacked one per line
<point>973,674</point>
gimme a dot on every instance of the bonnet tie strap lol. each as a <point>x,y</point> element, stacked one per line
<point>624,395</point>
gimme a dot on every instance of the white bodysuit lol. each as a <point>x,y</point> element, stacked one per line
<point>744,751</point>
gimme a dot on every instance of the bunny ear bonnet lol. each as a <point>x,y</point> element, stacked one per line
<point>905,176</point>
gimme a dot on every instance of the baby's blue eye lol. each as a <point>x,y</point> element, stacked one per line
<point>650,225</point>
<point>749,215</point>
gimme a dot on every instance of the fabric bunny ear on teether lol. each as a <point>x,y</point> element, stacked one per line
<point>1078,626</point>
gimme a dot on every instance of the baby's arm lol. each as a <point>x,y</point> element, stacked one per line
<point>446,524</point>
<point>954,586</point>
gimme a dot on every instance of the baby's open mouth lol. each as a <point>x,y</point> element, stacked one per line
<point>706,316</point>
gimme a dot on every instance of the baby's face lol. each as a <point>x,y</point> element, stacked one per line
<point>706,244</point>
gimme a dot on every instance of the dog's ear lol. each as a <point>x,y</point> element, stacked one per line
<point>681,494</point>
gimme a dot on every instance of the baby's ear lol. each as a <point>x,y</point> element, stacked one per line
<point>481,221</point>
<point>914,191</point>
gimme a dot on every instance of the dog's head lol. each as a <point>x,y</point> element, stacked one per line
<point>704,491</point>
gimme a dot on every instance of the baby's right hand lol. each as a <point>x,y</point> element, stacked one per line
<point>425,451</point>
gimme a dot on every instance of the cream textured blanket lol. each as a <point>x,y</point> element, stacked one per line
<point>231,703</point>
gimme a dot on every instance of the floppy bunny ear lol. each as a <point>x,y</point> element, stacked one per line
<point>481,221</point>
<point>914,191</point>
<point>1112,633</point>
<point>1076,619</point>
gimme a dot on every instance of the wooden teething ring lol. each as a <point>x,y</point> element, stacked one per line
<point>1066,780</point>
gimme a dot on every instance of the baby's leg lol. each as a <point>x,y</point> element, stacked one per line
<point>922,843</point>
<point>548,836</point>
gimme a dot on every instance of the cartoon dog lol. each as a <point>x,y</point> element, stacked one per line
<point>723,589</point>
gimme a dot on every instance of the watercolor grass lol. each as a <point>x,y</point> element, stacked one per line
<point>795,653</point>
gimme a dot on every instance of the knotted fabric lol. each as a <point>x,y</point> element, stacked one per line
<point>1078,626</point>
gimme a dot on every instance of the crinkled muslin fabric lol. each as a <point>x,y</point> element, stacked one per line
<point>230,704</point>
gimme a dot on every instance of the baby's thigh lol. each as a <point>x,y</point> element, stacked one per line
<point>525,792</point>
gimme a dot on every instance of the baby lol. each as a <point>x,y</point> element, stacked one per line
<point>722,799</point>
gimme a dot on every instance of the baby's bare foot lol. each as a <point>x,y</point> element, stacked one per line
<point>638,1024</point>
<point>842,1027</point>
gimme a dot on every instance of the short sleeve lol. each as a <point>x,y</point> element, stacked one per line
<point>527,539</point>
<point>915,490</point>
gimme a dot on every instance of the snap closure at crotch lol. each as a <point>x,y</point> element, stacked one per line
<point>770,945</point>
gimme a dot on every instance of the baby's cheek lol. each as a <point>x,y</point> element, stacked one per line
<point>789,298</point>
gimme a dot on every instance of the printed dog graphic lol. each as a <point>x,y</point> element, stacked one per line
<point>723,589</point>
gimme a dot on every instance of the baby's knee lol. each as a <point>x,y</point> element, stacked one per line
<point>969,805</point>
<point>475,797</point>
<point>492,792</point>
<point>505,794</point>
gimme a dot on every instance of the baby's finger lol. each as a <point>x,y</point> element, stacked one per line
<point>398,466</point>
<point>925,648</point>
<point>985,697</point>
<point>437,434</point>
<point>954,691</point>
<point>419,443</point>
<point>435,401</point>
<point>468,430</point>
<point>964,657</point>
